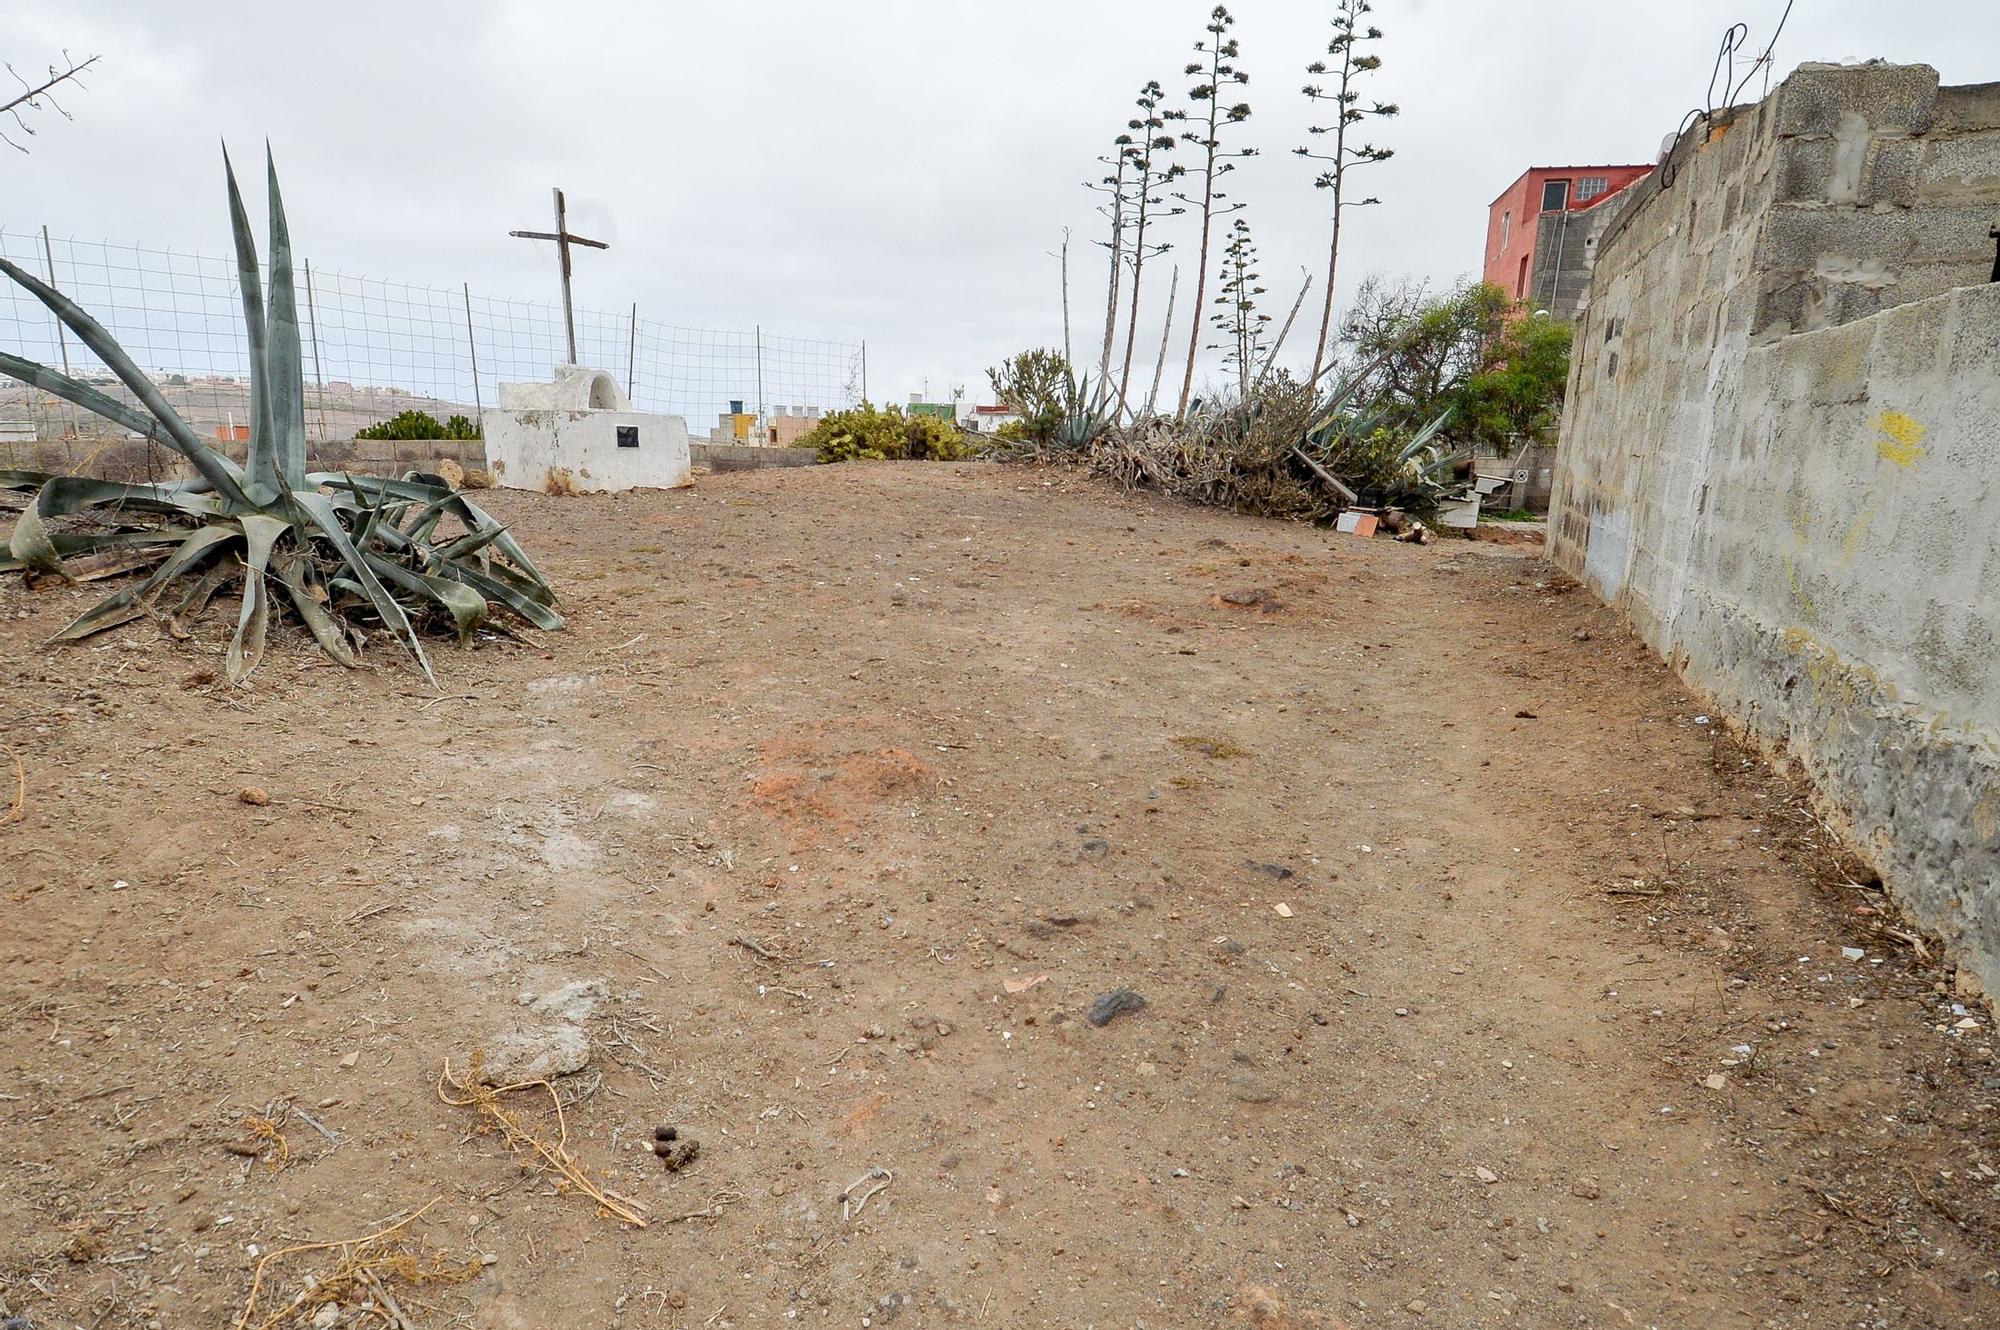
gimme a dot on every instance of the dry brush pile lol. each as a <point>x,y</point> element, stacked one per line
<point>1286,451</point>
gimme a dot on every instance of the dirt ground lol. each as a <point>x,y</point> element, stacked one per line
<point>1485,980</point>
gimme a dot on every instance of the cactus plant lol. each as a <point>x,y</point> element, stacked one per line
<point>408,553</point>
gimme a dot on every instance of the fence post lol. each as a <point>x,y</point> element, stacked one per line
<point>759,334</point>
<point>632,351</point>
<point>312,326</point>
<point>62,343</point>
<point>472,348</point>
<point>864,371</point>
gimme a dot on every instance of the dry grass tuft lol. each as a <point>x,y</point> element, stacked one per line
<point>366,1268</point>
<point>266,1130</point>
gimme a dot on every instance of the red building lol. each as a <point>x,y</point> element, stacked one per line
<point>1541,233</point>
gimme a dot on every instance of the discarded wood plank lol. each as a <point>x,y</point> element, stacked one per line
<point>1347,495</point>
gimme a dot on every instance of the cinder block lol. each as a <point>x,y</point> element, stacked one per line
<point>1962,169</point>
<point>1892,172</point>
<point>1909,340</point>
<point>1891,98</point>
<point>1974,354</point>
<point>1801,239</point>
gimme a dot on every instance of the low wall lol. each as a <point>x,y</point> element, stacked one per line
<point>1781,460</point>
<point>747,457</point>
<point>133,460</point>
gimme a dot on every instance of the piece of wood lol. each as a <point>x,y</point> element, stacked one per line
<point>1347,495</point>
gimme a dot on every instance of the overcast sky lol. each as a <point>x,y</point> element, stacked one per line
<point>881,169</point>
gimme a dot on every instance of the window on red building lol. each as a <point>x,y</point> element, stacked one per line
<point>1555,195</point>
<point>1590,187</point>
<point>1506,228</point>
<point>1521,282</point>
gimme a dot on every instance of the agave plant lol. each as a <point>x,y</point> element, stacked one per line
<point>1087,413</point>
<point>407,553</point>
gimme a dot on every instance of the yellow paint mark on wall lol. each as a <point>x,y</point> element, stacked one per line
<point>1850,544</point>
<point>1899,438</point>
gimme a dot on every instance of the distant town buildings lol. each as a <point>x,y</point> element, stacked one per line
<point>968,417</point>
<point>779,428</point>
<point>1542,233</point>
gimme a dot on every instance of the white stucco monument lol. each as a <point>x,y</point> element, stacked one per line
<point>579,434</point>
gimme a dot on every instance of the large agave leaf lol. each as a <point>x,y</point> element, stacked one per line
<point>69,494</point>
<point>466,606</point>
<point>322,515</point>
<point>293,573</point>
<point>34,545</point>
<point>468,512</point>
<point>1424,436</point>
<point>133,601</point>
<point>262,469</point>
<point>92,334</point>
<point>492,588</point>
<point>83,395</point>
<point>246,648</point>
<point>30,544</point>
<point>284,365</point>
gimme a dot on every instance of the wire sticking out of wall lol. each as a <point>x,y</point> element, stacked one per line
<point>1723,75</point>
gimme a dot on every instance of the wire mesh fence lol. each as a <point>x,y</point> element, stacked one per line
<point>375,348</point>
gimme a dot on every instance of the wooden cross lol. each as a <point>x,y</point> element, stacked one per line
<point>564,239</point>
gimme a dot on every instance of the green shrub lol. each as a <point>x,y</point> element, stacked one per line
<point>871,433</point>
<point>420,425</point>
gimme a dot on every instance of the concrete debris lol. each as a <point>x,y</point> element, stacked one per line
<point>537,1054</point>
<point>574,1001</point>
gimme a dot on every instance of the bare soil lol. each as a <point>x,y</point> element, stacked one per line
<point>844,797</point>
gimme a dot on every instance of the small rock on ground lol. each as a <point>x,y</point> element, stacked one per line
<point>1110,1006</point>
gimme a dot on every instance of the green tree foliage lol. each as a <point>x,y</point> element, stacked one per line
<point>420,425</point>
<point>1035,384</point>
<point>871,433</point>
<point>1422,347</point>
<point>1517,394</point>
<point>1498,369</point>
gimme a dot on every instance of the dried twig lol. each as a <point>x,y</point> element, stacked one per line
<point>748,943</point>
<point>358,1264</point>
<point>554,1155</point>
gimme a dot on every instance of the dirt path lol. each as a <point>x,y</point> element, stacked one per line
<point>1343,813</point>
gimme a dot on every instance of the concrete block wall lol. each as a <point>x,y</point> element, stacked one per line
<point>134,460</point>
<point>1781,458</point>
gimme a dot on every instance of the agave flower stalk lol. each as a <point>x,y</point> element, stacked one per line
<point>407,553</point>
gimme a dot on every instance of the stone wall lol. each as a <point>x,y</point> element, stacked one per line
<point>1781,457</point>
<point>130,459</point>
<point>720,457</point>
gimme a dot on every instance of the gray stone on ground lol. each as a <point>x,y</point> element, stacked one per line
<point>539,1053</point>
<point>1110,1006</point>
